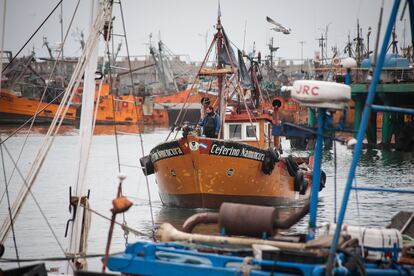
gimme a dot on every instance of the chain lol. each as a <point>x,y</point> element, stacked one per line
<point>126,232</point>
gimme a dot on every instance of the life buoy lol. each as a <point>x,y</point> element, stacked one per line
<point>336,61</point>
<point>124,104</point>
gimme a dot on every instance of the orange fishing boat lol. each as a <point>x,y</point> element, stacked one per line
<point>241,165</point>
<point>125,109</point>
<point>15,108</point>
<point>189,100</point>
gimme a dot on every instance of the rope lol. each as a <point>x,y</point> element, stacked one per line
<point>335,183</point>
<point>139,130</point>
<point>89,56</point>
<point>86,225</point>
<point>358,214</point>
<point>36,202</point>
<point>53,259</point>
<point>8,204</point>
<point>33,118</point>
<point>30,38</point>
<point>129,229</point>
<point>191,88</point>
<point>55,125</point>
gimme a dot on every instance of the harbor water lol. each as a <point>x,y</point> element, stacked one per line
<point>50,193</point>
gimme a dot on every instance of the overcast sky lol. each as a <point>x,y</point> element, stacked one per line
<point>183,24</point>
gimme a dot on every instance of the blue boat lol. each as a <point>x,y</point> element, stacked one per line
<point>181,253</point>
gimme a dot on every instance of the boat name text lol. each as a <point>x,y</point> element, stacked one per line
<point>161,154</point>
<point>236,152</point>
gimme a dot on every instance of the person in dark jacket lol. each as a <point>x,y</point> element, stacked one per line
<point>210,123</point>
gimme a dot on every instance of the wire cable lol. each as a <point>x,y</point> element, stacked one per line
<point>35,32</point>
<point>33,118</point>
<point>335,183</point>
<point>8,204</point>
<point>37,203</point>
<point>139,129</point>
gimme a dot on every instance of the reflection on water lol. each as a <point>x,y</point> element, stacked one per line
<point>381,168</point>
<point>70,130</point>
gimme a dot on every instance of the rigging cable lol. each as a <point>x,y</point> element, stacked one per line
<point>8,204</point>
<point>30,38</point>
<point>136,111</point>
<point>335,183</point>
<point>38,110</point>
<point>118,101</point>
<point>35,201</point>
<point>190,90</point>
<point>358,212</point>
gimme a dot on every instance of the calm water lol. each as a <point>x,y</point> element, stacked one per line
<point>34,239</point>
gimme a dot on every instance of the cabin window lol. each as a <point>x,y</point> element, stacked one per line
<point>250,131</point>
<point>235,131</point>
<point>241,131</point>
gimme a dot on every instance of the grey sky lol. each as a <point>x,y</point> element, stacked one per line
<point>184,23</point>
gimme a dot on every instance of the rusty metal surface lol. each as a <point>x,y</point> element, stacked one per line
<point>247,220</point>
<point>199,218</point>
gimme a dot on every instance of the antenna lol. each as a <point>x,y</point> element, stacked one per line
<point>322,46</point>
<point>301,54</point>
<point>244,37</point>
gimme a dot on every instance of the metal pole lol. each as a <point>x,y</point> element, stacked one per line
<point>316,174</point>
<point>362,129</point>
<point>301,55</point>
<point>2,40</point>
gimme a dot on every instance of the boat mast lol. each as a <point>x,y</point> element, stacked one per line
<point>2,40</point>
<point>219,37</point>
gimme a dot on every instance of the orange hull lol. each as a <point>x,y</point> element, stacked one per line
<point>189,96</point>
<point>124,110</point>
<point>198,172</point>
<point>14,109</point>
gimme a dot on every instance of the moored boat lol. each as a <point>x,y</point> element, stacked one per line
<point>16,109</point>
<point>242,164</point>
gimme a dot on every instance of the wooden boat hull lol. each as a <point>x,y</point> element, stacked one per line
<point>198,172</point>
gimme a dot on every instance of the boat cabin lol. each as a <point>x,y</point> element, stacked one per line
<point>256,133</point>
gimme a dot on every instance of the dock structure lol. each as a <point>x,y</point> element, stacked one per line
<point>389,94</point>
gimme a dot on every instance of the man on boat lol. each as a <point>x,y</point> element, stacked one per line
<point>210,123</point>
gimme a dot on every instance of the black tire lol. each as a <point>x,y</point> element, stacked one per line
<point>322,181</point>
<point>147,165</point>
<point>291,165</point>
<point>298,181</point>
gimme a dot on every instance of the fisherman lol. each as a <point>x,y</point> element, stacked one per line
<point>210,123</point>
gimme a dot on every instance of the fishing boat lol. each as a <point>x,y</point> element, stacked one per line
<point>24,94</point>
<point>124,109</point>
<point>242,164</point>
<point>189,100</point>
